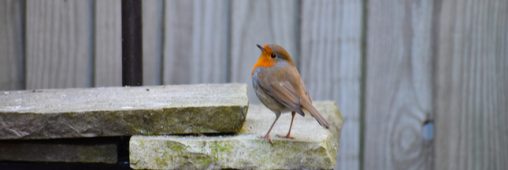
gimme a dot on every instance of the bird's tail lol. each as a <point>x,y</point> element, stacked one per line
<point>314,113</point>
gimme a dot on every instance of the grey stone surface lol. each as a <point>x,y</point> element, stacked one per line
<point>115,111</point>
<point>31,151</point>
<point>313,147</point>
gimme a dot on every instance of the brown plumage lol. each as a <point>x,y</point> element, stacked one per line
<point>279,86</point>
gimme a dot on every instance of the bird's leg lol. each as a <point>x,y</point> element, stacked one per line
<point>267,135</point>
<point>290,126</point>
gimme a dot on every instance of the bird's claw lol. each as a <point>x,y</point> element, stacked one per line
<point>267,138</point>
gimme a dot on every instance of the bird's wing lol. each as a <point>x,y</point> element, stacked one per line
<point>283,86</point>
<point>286,87</point>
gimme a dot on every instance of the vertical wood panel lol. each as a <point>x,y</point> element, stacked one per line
<point>472,85</point>
<point>195,41</point>
<point>108,43</point>
<point>58,43</point>
<point>258,22</point>
<point>330,64</point>
<point>11,45</point>
<point>152,41</point>
<point>398,85</point>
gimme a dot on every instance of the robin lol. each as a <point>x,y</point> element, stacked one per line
<point>280,88</point>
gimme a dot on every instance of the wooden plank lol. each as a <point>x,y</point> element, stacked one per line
<point>331,64</point>
<point>108,43</point>
<point>398,85</point>
<point>58,43</point>
<point>132,43</point>
<point>258,22</point>
<point>472,85</point>
<point>195,41</point>
<point>152,14</point>
<point>12,45</point>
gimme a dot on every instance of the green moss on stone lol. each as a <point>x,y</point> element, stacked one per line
<point>161,161</point>
<point>176,147</point>
<point>203,160</point>
<point>220,148</point>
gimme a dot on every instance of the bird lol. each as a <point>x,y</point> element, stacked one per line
<point>279,86</point>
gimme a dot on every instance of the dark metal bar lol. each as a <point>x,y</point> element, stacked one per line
<point>131,43</point>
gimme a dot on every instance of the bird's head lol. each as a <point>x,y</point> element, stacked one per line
<point>270,55</point>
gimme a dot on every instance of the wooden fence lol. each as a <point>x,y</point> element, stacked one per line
<point>423,84</point>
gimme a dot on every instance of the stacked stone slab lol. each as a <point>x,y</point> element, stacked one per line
<point>39,116</point>
<point>172,127</point>
<point>313,147</point>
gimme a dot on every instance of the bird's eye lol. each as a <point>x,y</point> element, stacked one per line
<point>272,55</point>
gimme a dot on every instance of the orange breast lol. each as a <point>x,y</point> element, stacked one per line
<point>263,61</point>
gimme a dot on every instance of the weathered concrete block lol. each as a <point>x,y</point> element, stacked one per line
<point>313,147</point>
<point>51,151</point>
<point>118,111</point>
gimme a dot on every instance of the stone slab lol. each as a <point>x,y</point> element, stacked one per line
<point>51,151</point>
<point>122,111</point>
<point>313,147</point>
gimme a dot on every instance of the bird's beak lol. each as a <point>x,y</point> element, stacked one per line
<point>260,47</point>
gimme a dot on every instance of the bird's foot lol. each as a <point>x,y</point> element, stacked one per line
<point>267,138</point>
<point>286,136</point>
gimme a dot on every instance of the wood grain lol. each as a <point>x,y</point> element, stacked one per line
<point>258,22</point>
<point>331,64</point>
<point>152,14</point>
<point>398,92</point>
<point>12,45</point>
<point>108,43</point>
<point>472,85</point>
<point>195,41</point>
<point>58,44</point>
